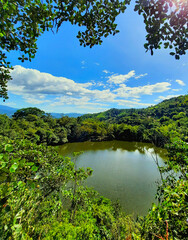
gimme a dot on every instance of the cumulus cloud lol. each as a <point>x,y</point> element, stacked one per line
<point>180,82</point>
<point>37,87</point>
<point>29,81</point>
<point>120,78</point>
<point>124,91</point>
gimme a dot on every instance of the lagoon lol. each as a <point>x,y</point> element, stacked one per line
<point>123,171</point>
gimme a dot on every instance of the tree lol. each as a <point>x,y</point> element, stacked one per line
<point>23,21</point>
<point>166,23</point>
<point>24,112</point>
<point>172,197</point>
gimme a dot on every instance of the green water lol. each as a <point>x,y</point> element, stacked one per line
<point>123,171</point>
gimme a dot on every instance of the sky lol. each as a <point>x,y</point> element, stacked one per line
<point>65,77</point>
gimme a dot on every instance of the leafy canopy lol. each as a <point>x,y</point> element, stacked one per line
<point>24,112</point>
<point>166,23</point>
<point>23,21</point>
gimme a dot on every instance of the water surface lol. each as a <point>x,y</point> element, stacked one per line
<point>123,171</point>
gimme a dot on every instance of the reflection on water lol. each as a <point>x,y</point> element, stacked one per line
<point>122,170</point>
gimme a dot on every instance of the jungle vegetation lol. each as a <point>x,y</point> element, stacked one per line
<point>41,192</point>
<point>41,195</point>
<point>158,124</point>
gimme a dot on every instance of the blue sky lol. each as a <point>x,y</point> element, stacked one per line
<point>66,77</point>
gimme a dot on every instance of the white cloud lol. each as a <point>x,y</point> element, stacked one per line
<point>82,102</point>
<point>100,84</point>
<point>86,85</point>
<point>124,91</point>
<point>83,64</point>
<point>140,76</point>
<point>106,71</point>
<point>180,82</point>
<point>120,78</point>
<point>29,81</point>
<point>161,98</point>
<point>128,103</point>
<point>34,86</point>
<point>69,93</point>
<point>176,90</point>
<point>104,95</point>
<point>37,87</point>
<point>85,103</point>
<point>35,101</point>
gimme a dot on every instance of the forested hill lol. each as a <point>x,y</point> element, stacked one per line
<point>168,108</point>
<point>35,202</point>
<point>158,124</point>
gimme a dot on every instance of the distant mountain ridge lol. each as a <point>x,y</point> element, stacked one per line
<point>9,111</point>
<point>168,108</point>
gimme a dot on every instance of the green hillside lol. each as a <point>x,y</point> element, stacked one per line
<point>167,108</point>
<point>157,124</point>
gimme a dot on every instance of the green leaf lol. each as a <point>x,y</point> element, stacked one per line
<point>13,167</point>
<point>8,148</point>
<point>34,168</point>
<point>21,184</point>
<point>3,164</point>
<point>18,228</point>
<point>30,163</point>
<point>5,227</point>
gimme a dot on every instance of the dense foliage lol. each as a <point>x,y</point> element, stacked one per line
<point>42,198</point>
<point>171,212</point>
<point>158,124</point>
<point>42,195</point>
<point>166,25</point>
